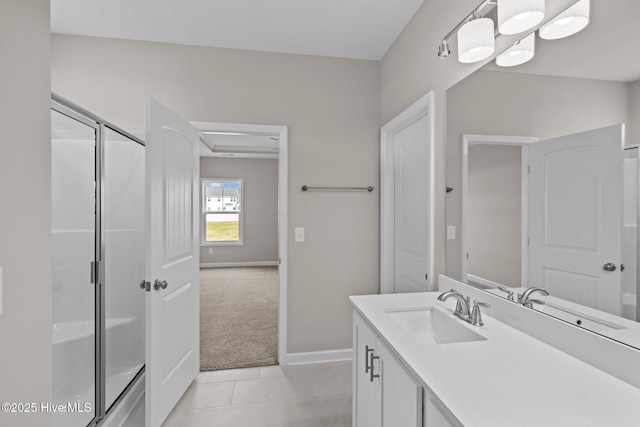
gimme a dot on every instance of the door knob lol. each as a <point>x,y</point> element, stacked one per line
<point>160,285</point>
<point>609,267</point>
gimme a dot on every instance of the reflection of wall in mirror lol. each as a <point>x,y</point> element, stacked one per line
<point>494,213</point>
<point>506,103</point>
<point>634,124</point>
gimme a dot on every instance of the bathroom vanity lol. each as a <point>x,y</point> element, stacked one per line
<point>416,364</point>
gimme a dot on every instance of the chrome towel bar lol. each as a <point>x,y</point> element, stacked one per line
<point>369,189</point>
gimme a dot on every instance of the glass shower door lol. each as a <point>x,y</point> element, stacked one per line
<point>124,261</point>
<point>73,177</point>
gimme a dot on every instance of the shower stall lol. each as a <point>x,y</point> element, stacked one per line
<point>97,180</point>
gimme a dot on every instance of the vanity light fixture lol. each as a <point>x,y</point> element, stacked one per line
<point>476,40</point>
<point>518,16</point>
<point>521,52</point>
<point>443,49</point>
<point>476,34</point>
<point>567,23</point>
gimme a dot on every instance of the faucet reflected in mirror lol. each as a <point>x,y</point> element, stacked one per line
<point>570,87</point>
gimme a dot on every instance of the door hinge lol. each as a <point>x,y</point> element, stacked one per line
<point>94,272</point>
<point>528,169</point>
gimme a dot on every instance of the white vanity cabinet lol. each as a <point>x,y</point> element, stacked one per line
<point>385,394</point>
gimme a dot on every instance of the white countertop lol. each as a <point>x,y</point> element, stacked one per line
<point>510,379</point>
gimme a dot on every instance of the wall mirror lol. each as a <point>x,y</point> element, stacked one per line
<point>542,163</point>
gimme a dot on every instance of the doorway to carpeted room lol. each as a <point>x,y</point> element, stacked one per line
<point>238,317</point>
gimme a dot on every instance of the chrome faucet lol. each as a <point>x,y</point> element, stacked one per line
<point>524,298</point>
<point>508,292</point>
<point>462,306</point>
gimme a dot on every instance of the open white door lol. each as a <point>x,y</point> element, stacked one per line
<point>172,300</point>
<point>575,217</point>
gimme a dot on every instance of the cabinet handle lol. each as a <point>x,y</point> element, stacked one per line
<point>371,374</point>
<point>366,359</point>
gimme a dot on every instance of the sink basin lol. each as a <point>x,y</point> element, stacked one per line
<point>429,326</point>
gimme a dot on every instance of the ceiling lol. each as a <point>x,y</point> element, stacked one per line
<point>358,29</point>
<point>243,145</point>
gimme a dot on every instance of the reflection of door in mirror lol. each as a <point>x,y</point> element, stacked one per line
<point>575,217</point>
<point>630,286</point>
<point>549,214</point>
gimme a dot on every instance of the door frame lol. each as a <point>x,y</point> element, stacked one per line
<point>475,139</point>
<point>421,108</point>
<point>283,183</point>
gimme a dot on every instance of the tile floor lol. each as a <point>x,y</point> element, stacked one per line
<point>316,395</point>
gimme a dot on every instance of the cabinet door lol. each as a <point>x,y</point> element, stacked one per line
<point>436,414</point>
<point>364,385</point>
<point>400,396</point>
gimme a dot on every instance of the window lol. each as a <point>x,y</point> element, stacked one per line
<point>222,212</point>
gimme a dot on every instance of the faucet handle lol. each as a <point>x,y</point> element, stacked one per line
<point>530,302</point>
<point>509,292</point>
<point>476,315</point>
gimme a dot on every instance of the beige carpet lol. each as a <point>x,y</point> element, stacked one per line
<point>238,317</point>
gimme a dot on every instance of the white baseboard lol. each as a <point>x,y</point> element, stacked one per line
<point>318,357</point>
<point>239,264</point>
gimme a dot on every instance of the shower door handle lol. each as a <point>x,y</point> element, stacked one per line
<point>157,285</point>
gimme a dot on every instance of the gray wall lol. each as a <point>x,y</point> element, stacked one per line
<point>494,213</point>
<point>25,220</point>
<point>505,103</point>
<point>259,207</point>
<point>635,113</point>
<point>331,108</point>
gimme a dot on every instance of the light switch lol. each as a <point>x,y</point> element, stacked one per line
<point>299,234</point>
<point>451,232</point>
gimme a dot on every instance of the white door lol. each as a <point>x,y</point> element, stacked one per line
<point>172,300</point>
<point>575,217</point>
<point>411,160</point>
<point>407,200</point>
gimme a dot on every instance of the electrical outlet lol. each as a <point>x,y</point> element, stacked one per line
<point>210,251</point>
<point>299,234</point>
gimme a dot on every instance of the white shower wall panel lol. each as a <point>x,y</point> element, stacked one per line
<point>73,292</point>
